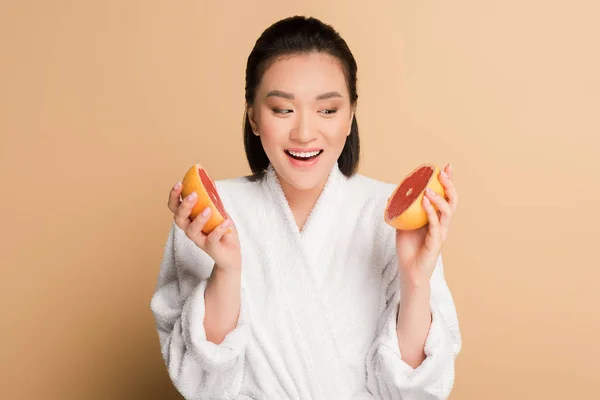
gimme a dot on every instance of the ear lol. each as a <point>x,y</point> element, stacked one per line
<point>253,124</point>
<point>350,122</point>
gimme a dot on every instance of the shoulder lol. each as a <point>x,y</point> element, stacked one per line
<point>376,185</point>
<point>238,191</point>
<point>238,186</point>
<point>370,196</point>
<point>235,184</point>
<point>370,191</point>
<point>239,196</point>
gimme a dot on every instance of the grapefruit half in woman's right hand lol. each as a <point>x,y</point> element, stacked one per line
<point>197,180</point>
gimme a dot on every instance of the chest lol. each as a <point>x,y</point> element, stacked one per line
<point>326,291</point>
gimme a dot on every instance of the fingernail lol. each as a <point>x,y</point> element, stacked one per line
<point>428,190</point>
<point>206,211</point>
<point>444,174</point>
<point>227,223</point>
<point>177,185</point>
<point>193,196</point>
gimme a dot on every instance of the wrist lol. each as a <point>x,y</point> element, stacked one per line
<point>234,268</point>
<point>226,274</point>
<point>415,293</point>
<point>415,284</point>
<point>225,277</point>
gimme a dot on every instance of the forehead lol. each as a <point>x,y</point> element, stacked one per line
<point>306,74</point>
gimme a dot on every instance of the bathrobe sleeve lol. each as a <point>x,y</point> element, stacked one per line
<point>197,367</point>
<point>389,377</point>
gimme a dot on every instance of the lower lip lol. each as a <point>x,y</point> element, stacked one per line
<point>303,163</point>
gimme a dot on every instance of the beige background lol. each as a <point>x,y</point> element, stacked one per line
<point>104,105</point>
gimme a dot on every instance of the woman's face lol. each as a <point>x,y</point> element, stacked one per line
<point>302,114</point>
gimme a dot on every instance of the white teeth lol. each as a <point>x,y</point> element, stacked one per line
<point>304,155</point>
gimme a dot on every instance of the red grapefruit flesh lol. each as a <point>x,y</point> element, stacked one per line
<point>404,209</point>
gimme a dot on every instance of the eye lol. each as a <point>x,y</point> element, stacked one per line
<point>329,111</point>
<point>281,111</point>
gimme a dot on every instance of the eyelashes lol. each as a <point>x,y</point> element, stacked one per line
<point>281,111</point>
<point>328,111</point>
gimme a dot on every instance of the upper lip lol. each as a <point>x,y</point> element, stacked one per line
<point>304,150</point>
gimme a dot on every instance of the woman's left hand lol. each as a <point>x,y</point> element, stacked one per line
<point>418,249</point>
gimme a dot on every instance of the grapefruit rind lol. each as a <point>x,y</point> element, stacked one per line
<point>190,183</point>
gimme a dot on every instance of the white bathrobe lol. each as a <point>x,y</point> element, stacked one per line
<point>318,306</point>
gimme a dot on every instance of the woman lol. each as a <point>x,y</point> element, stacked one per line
<point>310,295</point>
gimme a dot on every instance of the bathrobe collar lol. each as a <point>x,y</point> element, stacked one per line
<point>320,220</point>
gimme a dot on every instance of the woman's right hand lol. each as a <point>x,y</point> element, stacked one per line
<point>222,246</point>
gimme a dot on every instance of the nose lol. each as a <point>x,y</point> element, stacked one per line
<point>304,130</point>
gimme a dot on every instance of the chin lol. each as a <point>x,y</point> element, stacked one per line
<point>304,178</point>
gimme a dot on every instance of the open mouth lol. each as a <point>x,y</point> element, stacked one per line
<point>304,156</point>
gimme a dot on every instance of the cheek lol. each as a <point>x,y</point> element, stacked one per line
<point>337,128</point>
<point>272,129</point>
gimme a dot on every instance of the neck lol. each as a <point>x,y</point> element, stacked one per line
<point>301,201</point>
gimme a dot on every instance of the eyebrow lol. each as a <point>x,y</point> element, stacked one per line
<point>290,96</point>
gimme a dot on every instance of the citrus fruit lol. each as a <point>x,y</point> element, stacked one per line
<point>404,209</point>
<point>198,180</point>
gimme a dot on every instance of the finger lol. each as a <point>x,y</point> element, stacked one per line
<point>434,222</point>
<point>444,212</point>
<point>442,205</point>
<point>174,199</point>
<point>448,170</point>
<point>182,215</point>
<point>432,216</point>
<point>450,190</point>
<point>194,229</point>
<point>217,233</point>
